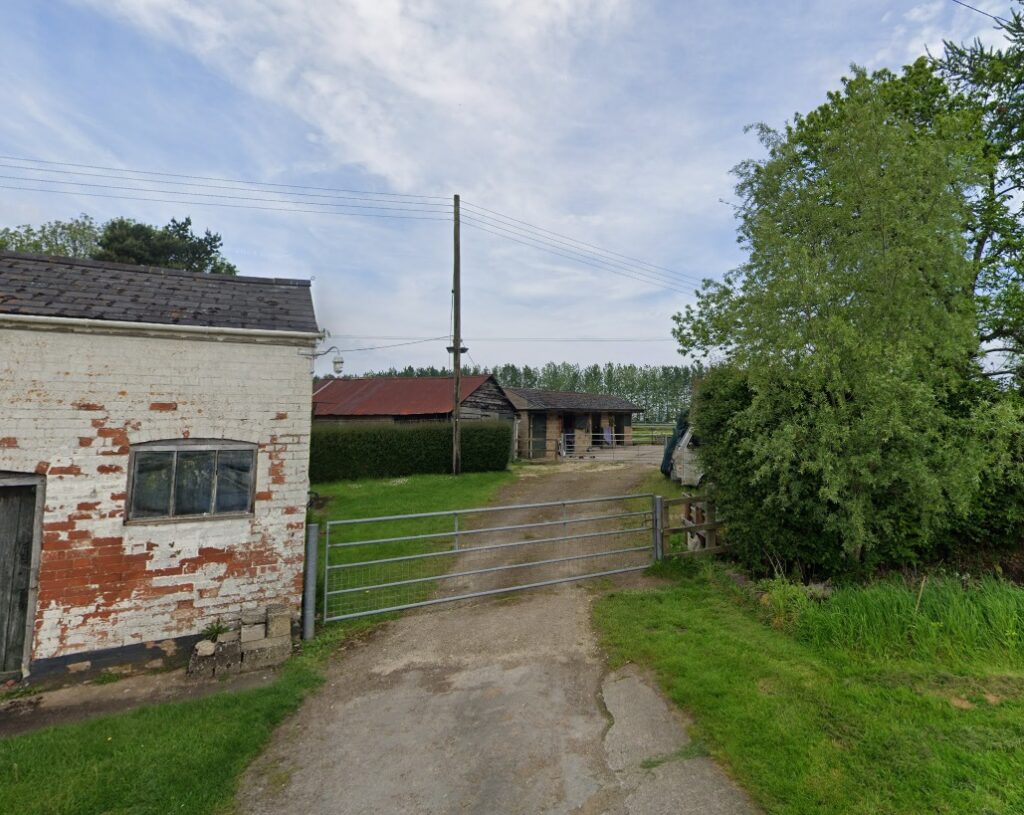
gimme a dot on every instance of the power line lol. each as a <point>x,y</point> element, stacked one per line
<point>214,178</point>
<point>385,205</point>
<point>222,205</point>
<point>574,240</point>
<point>511,339</point>
<point>252,188</point>
<point>577,259</point>
<point>653,276</point>
<point>212,194</point>
<point>991,16</point>
<point>395,345</point>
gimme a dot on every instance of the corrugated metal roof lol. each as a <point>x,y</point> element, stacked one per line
<point>539,399</point>
<point>391,396</point>
<point>97,290</point>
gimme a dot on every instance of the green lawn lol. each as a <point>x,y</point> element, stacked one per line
<point>187,756</point>
<point>822,729</point>
<point>176,757</point>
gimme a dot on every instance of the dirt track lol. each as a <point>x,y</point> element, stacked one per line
<point>492,706</point>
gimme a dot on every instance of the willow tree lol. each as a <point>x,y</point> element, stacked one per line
<point>849,427</point>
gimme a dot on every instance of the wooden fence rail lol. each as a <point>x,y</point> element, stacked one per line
<point>694,517</point>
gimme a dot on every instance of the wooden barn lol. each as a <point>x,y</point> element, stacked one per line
<point>409,399</point>
<point>566,423</point>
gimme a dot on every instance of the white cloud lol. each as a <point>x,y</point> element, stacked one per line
<point>613,121</point>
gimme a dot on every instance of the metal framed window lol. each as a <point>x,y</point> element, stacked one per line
<point>190,479</point>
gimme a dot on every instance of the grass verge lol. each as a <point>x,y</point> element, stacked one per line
<point>176,757</point>
<point>808,729</point>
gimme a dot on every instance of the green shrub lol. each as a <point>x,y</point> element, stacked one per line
<point>375,450</point>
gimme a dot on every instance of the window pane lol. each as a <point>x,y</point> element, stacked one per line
<point>151,486</point>
<point>193,483</point>
<point>234,480</point>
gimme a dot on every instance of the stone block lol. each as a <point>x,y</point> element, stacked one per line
<point>228,636</point>
<point>228,658</point>
<point>265,653</point>
<point>205,648</point>
<point>254,616</point>
<point>279,622</point>
<point>254,632</point>
<point>203,661</point>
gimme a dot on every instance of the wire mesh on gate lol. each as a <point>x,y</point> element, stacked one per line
<point>373,565</point>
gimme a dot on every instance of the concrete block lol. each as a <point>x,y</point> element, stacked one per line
<point>254,632</point>
<point>268,642</point>
<point>228,658</point>
<point>279,621</point>
<point>265,653</point>
<point>254,616</point>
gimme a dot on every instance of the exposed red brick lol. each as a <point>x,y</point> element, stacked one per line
<point>118,496</point>
<point>85,506</point>
<point>163,406</point>
<point>264,495</point>
<point>281,414</point>
<point>99,422</point>
<point>42,467</point>
<point>71,469</point>
<point>87,406</point>
<point>106,469</point>
<point>85,441</point>
<point>111,541</point>
<point>115,451</point>
<point>8,441</point>
<point>293,510</point>
<point>58,526</point>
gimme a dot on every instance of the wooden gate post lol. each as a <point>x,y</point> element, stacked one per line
<point>657,525</point>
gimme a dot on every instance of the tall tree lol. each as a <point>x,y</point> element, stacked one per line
<point>849,331</point>
<point>992,80</point>
<point>123,240</point>
<point>174,246</point>
<point>77,238</point>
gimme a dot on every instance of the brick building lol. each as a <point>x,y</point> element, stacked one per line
<point>154,431</point>
<point>553,423</point>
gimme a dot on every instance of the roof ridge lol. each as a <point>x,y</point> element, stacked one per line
<point>141,268</point>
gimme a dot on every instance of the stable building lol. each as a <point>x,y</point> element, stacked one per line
<point>154,448</point>
<point>567,423</point>
<point>410,399</point>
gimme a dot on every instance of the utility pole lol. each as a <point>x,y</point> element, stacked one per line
<point>456,348</point>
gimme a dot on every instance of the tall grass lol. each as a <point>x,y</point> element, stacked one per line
<point>963,625</point>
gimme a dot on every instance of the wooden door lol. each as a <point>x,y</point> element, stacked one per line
<point>538,435</point>
<point>17,526</point>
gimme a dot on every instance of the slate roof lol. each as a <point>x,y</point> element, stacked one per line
<point>538,399</point>
<point>96,290</point>
<point>391,395</point>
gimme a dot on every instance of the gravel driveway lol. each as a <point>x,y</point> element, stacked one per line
<point>495,706</point>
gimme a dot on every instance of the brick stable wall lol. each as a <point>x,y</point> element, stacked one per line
<point>72,403</point>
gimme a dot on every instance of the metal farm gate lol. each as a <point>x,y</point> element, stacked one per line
<point>377,565</point>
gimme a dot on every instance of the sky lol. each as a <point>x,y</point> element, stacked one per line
<point>613,122</point>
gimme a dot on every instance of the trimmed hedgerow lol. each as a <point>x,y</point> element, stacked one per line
<point>388,450</point>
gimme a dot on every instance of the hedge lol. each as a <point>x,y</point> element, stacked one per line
<point>346,451</point>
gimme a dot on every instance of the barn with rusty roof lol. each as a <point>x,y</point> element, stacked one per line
<point>410,399</point>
